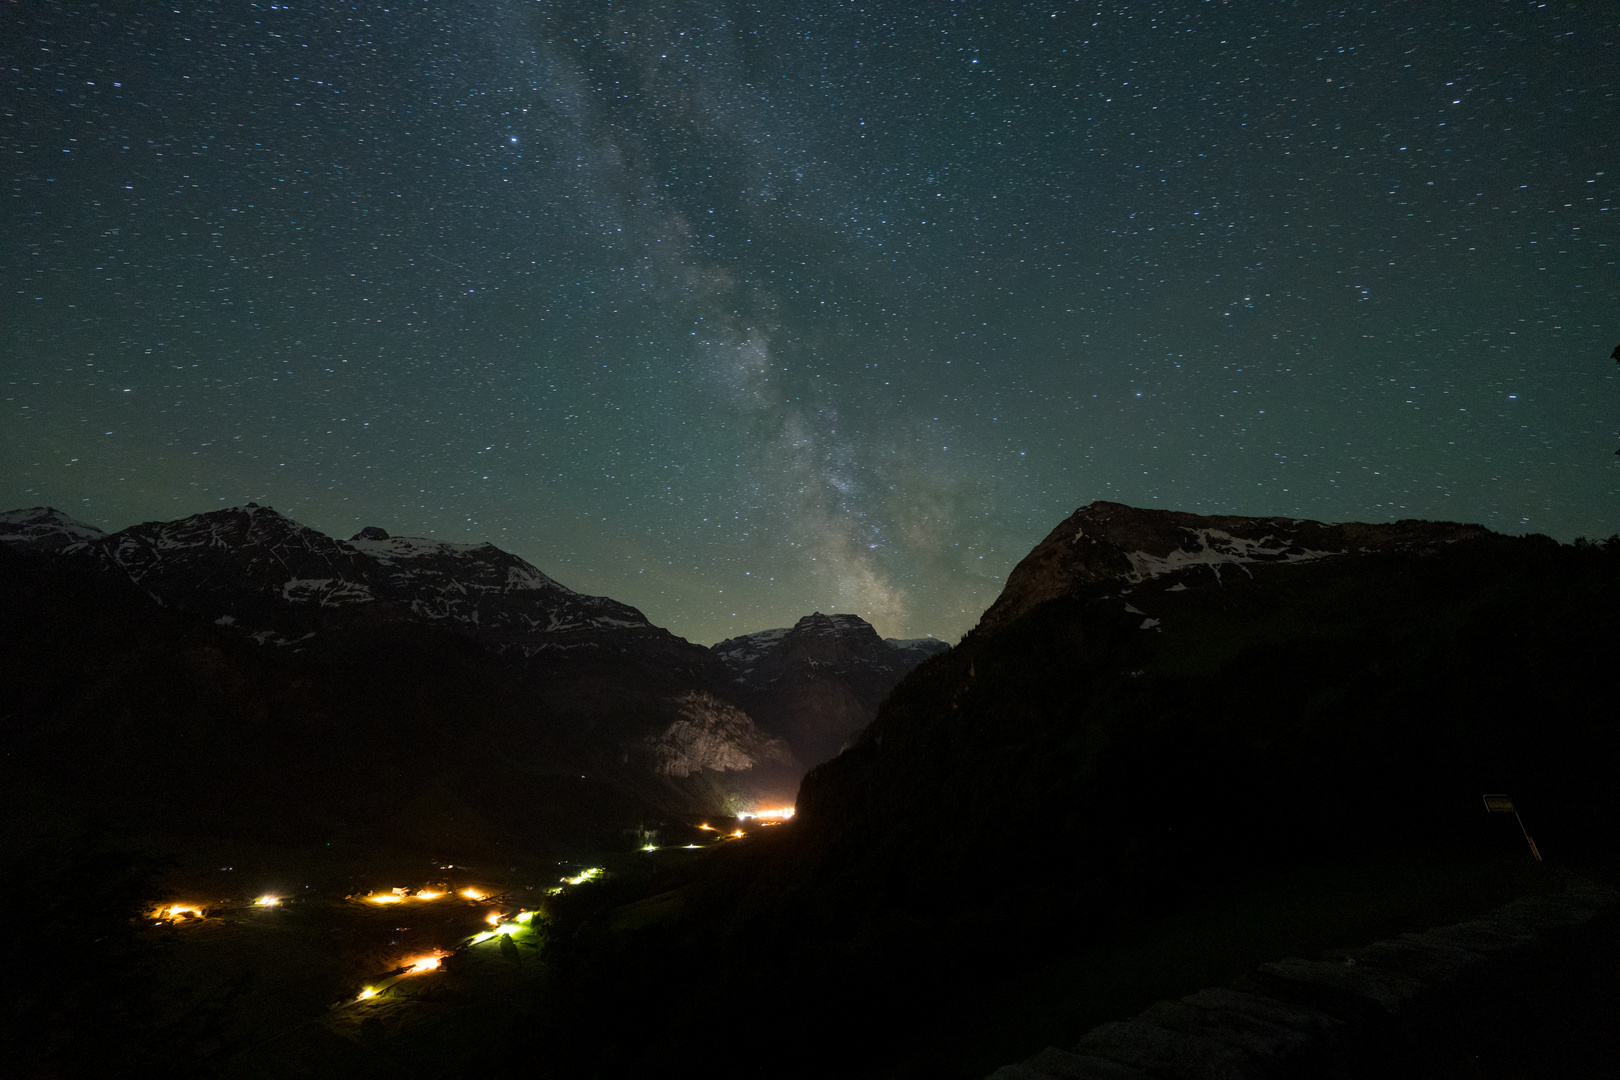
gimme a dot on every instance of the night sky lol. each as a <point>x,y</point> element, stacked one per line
<point>738,311</point>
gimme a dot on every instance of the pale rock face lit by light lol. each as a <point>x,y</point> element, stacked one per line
<point>734,313</point>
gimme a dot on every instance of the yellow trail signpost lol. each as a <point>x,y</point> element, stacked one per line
<point>1501,804</point>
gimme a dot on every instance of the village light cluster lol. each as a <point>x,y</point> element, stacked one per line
<point>500,925</point>
<point>519,923</point>
<point>177,913</point>
<point>516,924</point>
<point>416,965</point>
<point>588,874</point>
<point>402,895</point>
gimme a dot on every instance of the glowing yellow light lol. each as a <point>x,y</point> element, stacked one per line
<point>781,813</point>
<point>400,895</point>
<point>368,992</point>
<point>739,832</point>
<point>424,963</point>
<point>649,847</point>
<point>180,911</point>
<point>472,894</point>
<point>485,936</point>
<point>554,892</point>
<point>267,901</point>
<point>492,918</point>
<point>706,826</point>
<point>523,916</point>
<point>583,876</point>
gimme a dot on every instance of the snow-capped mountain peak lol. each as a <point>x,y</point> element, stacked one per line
<point>261,569</point>
<point>819,681</point>
<point>44,528</point>
<point>1111,541</point>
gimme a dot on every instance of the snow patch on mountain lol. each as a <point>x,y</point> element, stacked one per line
<point>1212,547</point>
<point>1106,541</point>
<point>742,653</point>
<point>819,640</point>
<point>44,528</point>
<point>325,592</point>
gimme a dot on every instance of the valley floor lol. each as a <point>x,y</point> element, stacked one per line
<point>493,1010</point>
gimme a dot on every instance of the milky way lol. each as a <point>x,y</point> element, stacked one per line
<point>738,311</point>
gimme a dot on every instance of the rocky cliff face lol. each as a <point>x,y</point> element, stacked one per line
<point>1105,540</point>
<point>818,683</point>
<point>712,754</point>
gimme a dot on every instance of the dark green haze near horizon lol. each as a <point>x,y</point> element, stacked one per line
<point>737,311</point>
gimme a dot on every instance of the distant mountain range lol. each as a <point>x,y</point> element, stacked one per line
<point>270,577</point>
<point>819,682</point>
<point>675,725</point>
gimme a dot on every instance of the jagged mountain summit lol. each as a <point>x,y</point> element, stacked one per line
<point>819,682</point>
<point>266,574</point>
<point>1159,701</point>
<point>1107,540</point>
<point>505,602</point>
<point>44,528</point>
<point>821,639</point>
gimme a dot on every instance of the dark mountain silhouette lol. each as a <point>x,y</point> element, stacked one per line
<point>1322,686</point>
<point>1158,703</point>
<point>1106,541</point>
<point>817,683</point>
<point>250,616</point>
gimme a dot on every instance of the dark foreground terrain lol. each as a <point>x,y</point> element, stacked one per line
<point>1131,787</point>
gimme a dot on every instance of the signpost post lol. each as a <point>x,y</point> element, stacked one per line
<point>1501,804</point>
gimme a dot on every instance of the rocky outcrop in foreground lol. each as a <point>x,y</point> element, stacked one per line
<point>1307,1018</point>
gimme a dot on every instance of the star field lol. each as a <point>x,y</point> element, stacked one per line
<point>737,311</point>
